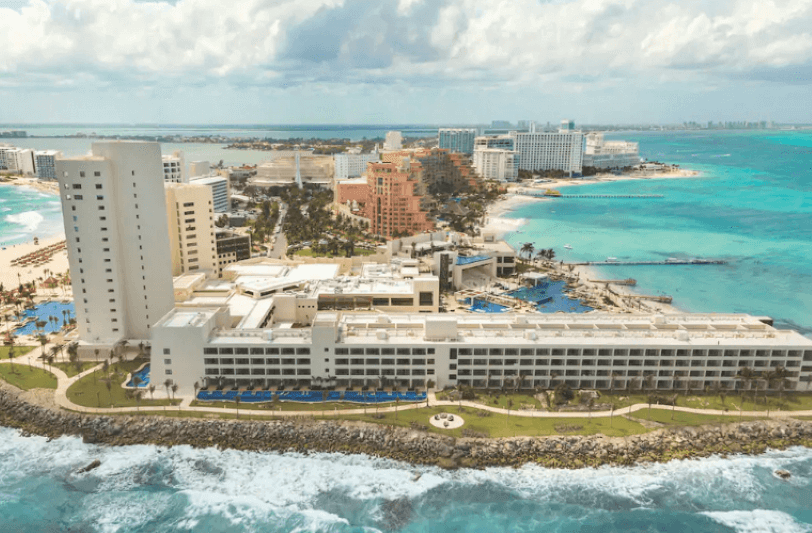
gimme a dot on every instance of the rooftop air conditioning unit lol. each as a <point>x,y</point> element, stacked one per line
<point>382,335</point>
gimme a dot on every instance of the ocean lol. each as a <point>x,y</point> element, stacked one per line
<point>26,212</point>
<point>154,490</point>
<point>751,206</point>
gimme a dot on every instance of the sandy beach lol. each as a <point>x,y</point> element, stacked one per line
<point>9,273</point>
<point>50,187</point>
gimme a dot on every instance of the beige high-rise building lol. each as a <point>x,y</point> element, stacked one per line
<point>118,247</point>
<point>190,214</point>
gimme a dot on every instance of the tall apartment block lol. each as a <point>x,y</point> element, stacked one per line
<point>190,215</point>
<point>457,139</point>
<point>45,162</point>
<point>220,191</point>
<point>551,151</point>
<point>175,168</point>
<point>394,141</point>
<point>394,199</point>
<point>118,244</point>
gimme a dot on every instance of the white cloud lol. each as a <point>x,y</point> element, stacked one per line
<point>406,41</point>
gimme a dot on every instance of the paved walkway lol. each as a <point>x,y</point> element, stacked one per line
<point>64,382</point>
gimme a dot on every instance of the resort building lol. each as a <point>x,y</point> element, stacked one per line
<point>18,160</point>
<point>496,163</point>
<point>199,168</point>
<point>352,164</point>
<point>550,151</point>
<point>593,351</point>
<point>441,168</point>
<point>459,140</point>
<point>114,211</point>
<point>220,191</point>
<point>394,141</point>
<point>45,162</point>
<point>231,248</point>
<point>394,199</point>
<point>610,154</point>
<point>174,168</point>
<point>503,142</point>
<point>190,218</point>
<point>282,171</point>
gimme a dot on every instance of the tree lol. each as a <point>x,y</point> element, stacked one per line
<point>174,390</point>
<point>527,250</point>
<point>151,389</point>
<point>197,388</point>
<point>237,401</point>
<point>222,221</point>
<point>11,357</point>
<point>167,385</point>
<point>109,385</point>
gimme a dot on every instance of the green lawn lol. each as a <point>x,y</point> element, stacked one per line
<point>18,351</point>
<point>25,378</point>
<point>499,399</point>
<point>84,392</point>
<point>70,369</point>
<point>504,426</point>
<point>308,252</point>
<point>732,402</point>
<point>683,419</point>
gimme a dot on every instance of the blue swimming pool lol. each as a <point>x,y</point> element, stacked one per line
<point>143,375</point>
<point>42,312</point>
<point>311,396</point>
<point>481,306</point>
<point>550,297</point>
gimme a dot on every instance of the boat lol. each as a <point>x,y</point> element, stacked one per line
<point>568,247</point>
<point>672,260</point>
<point>611,260</point>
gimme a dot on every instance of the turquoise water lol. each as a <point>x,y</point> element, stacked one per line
<point>140,489</point>
<point>42,312</point>
<point>26,213</point>
<point>752,206</point>
<point>551,297</point>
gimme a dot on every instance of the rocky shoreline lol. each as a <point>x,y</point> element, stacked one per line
<point>410,445</point>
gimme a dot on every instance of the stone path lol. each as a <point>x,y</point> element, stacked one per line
<point>64,382</point>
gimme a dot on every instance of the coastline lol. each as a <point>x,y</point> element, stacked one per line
<point>414,446</point>
<point>623,298</point>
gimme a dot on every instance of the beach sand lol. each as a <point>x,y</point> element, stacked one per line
<point>8,272</point>
<point>50,187</point>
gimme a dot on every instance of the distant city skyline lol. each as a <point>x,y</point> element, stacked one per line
<point>449,62</point>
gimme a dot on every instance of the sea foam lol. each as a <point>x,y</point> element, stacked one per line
<point>759,521</point>
<point>28,219</point>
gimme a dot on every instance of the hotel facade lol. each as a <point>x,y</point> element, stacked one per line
<point>593,351</point>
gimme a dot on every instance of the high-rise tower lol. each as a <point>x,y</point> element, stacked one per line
<point>118,245</point>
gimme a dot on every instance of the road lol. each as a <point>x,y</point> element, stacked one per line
<point>280,246</point>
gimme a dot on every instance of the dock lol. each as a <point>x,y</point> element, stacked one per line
<point>642,263</point>
<point>628,281</point>
<point>541,194</point>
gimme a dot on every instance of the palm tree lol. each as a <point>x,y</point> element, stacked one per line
<point>11,357</point>
<point>612,379</point>
<point>136,382</point>
<point>174,390</point>
<point>151,389</point>
<point>109,385</point>
<point>237,401</point>
<point>527,249</point>
<point>167,385</point>
<point>744,376</point>
<point>197,388</point>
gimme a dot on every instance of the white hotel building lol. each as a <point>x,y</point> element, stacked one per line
<point>596,350</point>
<point>496,163</point>
<point>610,154</point>
<point>551,151</point>
<point>118,244</point>
<point>352,164</point>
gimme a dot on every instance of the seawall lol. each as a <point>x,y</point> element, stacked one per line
<point>410,445</point>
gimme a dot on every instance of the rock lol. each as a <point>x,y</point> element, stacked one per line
<point>96,464</point>
<point>783,474</point>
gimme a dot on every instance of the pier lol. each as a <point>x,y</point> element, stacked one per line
<point>611,196</point>
<point>641,263</point>
<point>628,281</point>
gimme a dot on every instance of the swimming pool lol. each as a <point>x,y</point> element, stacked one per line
<point>481,306</point>
<point>550,297</point>
<point>41,313</point>
<point>143,375</point>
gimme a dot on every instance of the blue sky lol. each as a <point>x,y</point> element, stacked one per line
<point>405,61</point>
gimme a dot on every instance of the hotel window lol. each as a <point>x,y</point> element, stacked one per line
<point>167,361</point>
